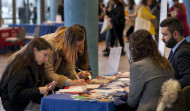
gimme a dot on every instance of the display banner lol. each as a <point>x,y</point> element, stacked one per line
<point>163,15</point>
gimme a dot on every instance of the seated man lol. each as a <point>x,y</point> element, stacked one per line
<point>173,37</point>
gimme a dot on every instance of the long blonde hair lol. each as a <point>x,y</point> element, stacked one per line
<point>66,38</point>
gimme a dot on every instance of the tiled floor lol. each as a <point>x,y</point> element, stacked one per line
<point>102,60</point>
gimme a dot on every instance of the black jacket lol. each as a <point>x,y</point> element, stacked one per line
<point>181,63</point>
<point>117,15</point>
<point>20,90</point>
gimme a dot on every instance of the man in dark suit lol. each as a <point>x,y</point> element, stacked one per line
<point>172,36</point>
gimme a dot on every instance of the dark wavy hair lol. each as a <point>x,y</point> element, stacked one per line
<point>173,24</point>
<point>142,46</point>
<point>27,59</point>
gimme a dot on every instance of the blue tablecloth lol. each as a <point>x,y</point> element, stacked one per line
<point>63,102</point>
<point>30,28</point>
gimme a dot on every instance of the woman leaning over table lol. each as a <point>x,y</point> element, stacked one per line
<point>62,59</point>
<point>24,78</point>
<point>83,58</point>
<point>147,72</point>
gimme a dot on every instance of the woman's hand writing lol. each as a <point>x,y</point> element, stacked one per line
<point>77,82</point>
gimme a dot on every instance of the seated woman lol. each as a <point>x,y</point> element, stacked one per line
<point>147,72</point>
<point>24,79</point>
<point>62,59</point>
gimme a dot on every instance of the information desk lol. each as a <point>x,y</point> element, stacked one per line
<point>63,102</point>
<point>67,102</point>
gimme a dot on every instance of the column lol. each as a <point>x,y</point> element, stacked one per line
<point>53,9</point>
<point>187,5</point>
<point>40,12</point>
<point>85,12</point>
<point>27,12</point>
<point>14,11</point>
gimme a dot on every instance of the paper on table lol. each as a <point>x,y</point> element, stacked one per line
<point>79,88</point>
<point>92,86</point>
<point>123,79</point>
<point>113,61</point>
<point>72,89</point>
<point>102,91</point>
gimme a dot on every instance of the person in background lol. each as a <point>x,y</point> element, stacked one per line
<point>131,9</point>
<point>173,37</point>
<point>117,18</point>
<point>171,10</point>
<point>62,59</point>
<point>101,11</point>
<point>148,71</point>
<point>179,9</point>
<point>108,36</point>
<point>34,19</point>
<point>31,9</point>
<point>156,12</point>
<point>123,3</point>
<point>143,11</point>
<point>60,11</point>
<point>24,79</point>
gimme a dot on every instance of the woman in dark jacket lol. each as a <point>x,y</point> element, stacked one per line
<point>117,18</point>
<point>24,79</point>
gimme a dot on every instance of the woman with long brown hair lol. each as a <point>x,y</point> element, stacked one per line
<point>24,78</point>
<point>148,71</point>
<point>83,58</point>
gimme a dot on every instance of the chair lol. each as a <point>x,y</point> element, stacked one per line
<point>37,30</point>
<point>169,94</point>
<point>20,36</point>
<point>175,99</point>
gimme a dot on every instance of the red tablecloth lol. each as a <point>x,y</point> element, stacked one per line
<point>5,33</point>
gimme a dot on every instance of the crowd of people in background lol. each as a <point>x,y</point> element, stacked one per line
<point>151,74</point>
<point>125,22</point>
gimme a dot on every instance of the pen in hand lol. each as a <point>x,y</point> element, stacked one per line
<point>77,76</point>
<point>84,85</point>
<point>79,69</point>
<point>86,77</point>
<point>51,86</point>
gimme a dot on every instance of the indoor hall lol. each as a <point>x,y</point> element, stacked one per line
<point>43,18</point>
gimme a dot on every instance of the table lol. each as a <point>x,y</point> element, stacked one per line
<point>5,33</point>
<point>30,28</point>
<point>51,28</point>
<point>63,102</point>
